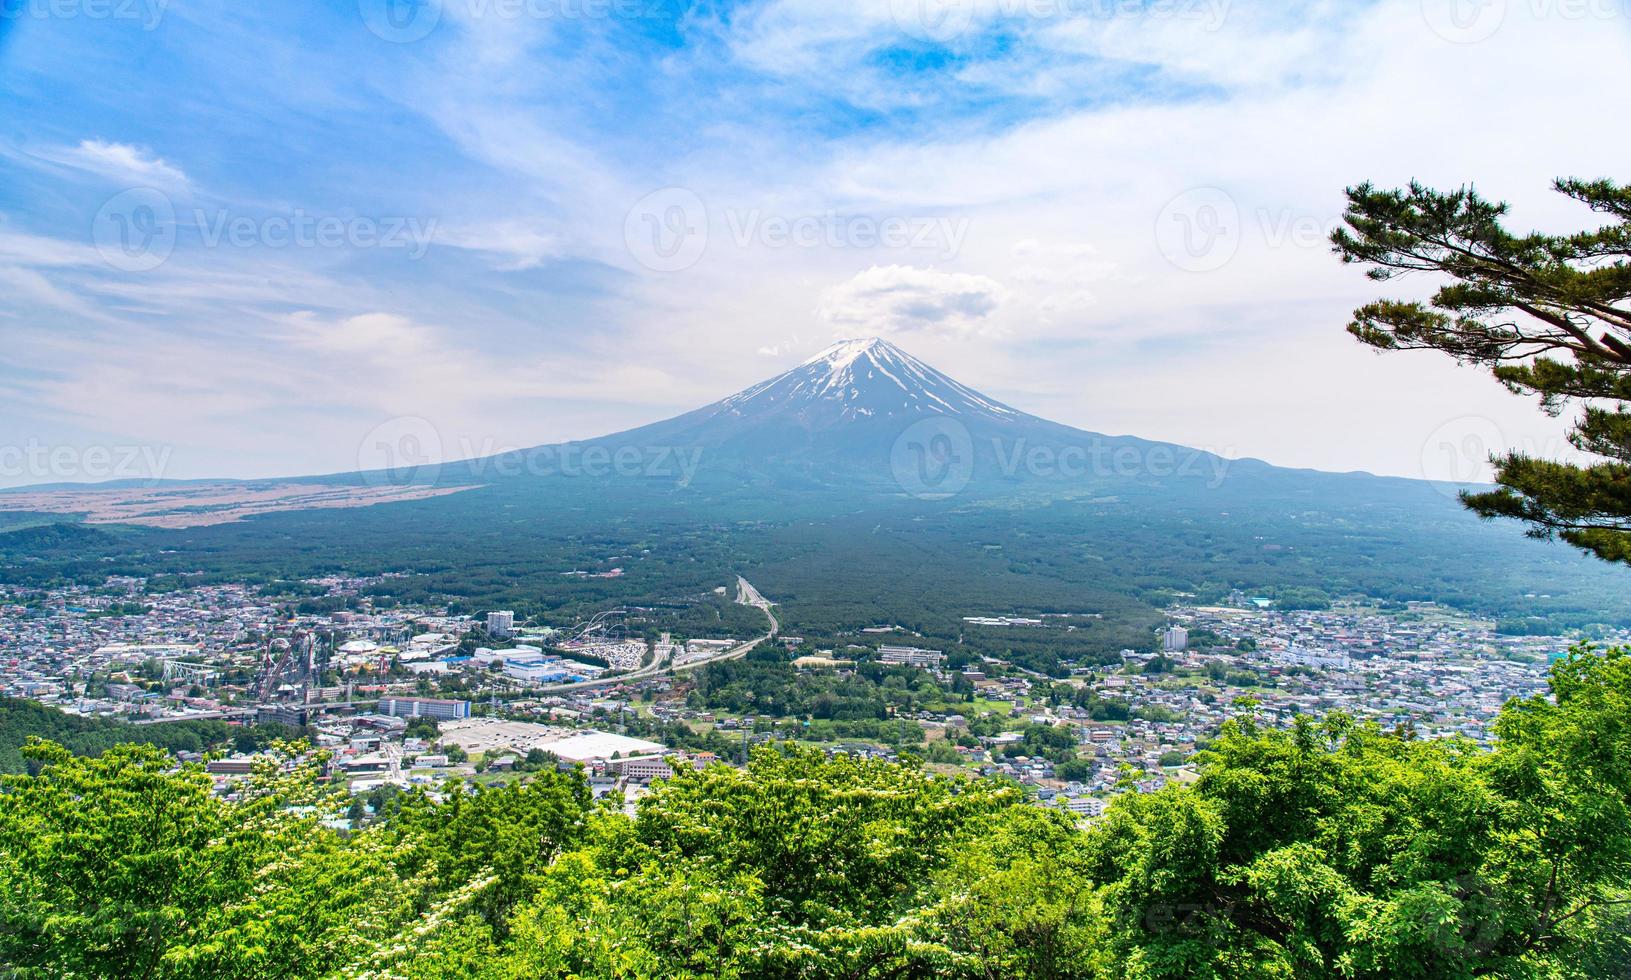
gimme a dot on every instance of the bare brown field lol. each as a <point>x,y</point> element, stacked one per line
<point>200,505</point>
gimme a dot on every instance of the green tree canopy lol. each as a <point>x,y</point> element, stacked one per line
<point>1332,850</point>
<point>1547,314</point>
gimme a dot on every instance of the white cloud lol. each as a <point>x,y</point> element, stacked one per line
<point>1058,147</point>
<point>120,163</point>
<point>906,299</point>
<point>1218,42</point>
<point>520,245</point>
<point>40,251</point>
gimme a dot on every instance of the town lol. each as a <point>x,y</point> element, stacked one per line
<point>403,697</point>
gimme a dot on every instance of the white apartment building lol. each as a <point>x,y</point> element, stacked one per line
<point>500,623</point>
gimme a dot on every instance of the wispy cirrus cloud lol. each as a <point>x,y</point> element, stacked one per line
<point>1058,133</point>
<point>118,163</point>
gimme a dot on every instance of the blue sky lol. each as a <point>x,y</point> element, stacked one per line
<point>254,237</point>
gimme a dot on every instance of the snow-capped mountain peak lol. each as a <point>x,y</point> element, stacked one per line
<point>863,378</point>
<point>845,352</point>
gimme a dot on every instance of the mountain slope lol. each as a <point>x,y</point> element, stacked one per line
<point>865,418</point>
<point>864,486</point>
<point>865,415</point>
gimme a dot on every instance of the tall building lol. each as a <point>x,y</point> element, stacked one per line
<point>1175,639</point>
<point>438,708</point>
<point>283,714</point>
<point>500,623</point>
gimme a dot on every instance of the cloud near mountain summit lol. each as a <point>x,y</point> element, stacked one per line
<point>907,299</point>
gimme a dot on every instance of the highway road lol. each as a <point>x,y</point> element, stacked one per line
<point>229,713</point>
<point>746,594</point>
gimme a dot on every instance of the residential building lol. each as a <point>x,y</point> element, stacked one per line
<point>500,623</point>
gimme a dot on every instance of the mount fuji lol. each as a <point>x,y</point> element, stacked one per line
<point>862,486</point>
<point>844,407</point>
<point>866,415</point>
<point>868,467</point>
<point>856,379</point>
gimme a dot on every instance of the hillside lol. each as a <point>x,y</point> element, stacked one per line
<point>863,484</point>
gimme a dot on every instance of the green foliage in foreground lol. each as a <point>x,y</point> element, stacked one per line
<point>21,719</point>
<point>1328,850</point>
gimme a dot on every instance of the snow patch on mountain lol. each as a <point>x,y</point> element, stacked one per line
<point>863,378</point>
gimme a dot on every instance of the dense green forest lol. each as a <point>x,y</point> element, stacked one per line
<point>21,720</point>
<point>1331,849</point>
<point>837,562</point>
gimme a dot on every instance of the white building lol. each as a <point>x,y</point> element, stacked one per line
<point>910,656</point>
<point>1315,658</point>
<point>500,623</point>
<point>438,708</point>
<point>1175,639</point>
<point>642,768</point>
<point>537,672</point>
<point>1087,806</point>
<point>589,746</point>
